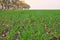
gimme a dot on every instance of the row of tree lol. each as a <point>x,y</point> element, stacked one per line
<point>13,4</point>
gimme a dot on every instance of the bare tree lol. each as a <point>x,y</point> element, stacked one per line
<point>14,4</point>
<point>1,3</point>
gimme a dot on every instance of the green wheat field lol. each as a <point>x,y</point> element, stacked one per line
<point>29,24</point>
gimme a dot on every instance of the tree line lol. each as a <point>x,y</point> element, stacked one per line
<point>13,5</point>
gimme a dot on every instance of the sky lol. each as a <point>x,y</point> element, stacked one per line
<point>43,4</point>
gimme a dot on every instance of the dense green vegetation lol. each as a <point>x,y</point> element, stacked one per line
<point>29,25</point>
